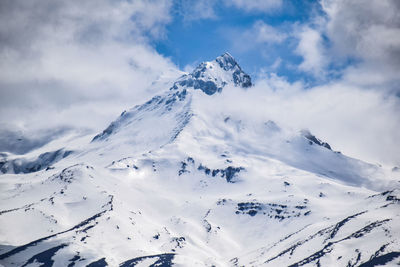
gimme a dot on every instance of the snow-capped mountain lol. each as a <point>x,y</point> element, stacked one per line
<point>179,180</point>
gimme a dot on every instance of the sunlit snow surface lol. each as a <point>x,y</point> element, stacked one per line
<point>182,181</point>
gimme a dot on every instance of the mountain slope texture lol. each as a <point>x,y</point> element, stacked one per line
<point>181,180</point>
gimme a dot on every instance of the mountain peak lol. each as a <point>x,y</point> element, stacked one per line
<point>211,77</point>
<point>226,61</point>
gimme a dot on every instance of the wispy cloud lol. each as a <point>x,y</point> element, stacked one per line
<point>258,6</point>
<point>311,48</point>
<point>260,34</point>
<point>264,33</point>
<point>360,123</point>
<point>192,10</point>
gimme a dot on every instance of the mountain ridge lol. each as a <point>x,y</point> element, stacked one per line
<point>182,180</point>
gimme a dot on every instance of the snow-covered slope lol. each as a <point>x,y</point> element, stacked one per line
<point>181,181</point>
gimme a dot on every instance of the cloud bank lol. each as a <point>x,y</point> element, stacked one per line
<point>77,65</point>
<point>359,45</point>
<point>352,52</point>
<point>362,39</point>
<point>74,63</point>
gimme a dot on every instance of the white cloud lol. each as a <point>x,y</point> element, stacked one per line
<point>77,63</point>
<point>192,10</point>
<point>357,112</point>
<point>264,33</point>
<point>368,36</point>
<point>370,32</point>
<point>277,63</point>
<point>360,123</point>
<point>259,36</point>
<point>310,47</point>
<point>255,5</point>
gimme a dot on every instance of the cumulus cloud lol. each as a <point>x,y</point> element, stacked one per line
<point>74,63</point>
<point>363,40</point>
<point>370,32</point>
<point>358,110</point>
<point>367,33</point>
<point>360,123</point>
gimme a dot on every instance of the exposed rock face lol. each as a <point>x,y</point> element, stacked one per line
<point>211,77</point>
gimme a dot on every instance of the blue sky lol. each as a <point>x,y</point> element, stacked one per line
<point>190,40</point>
